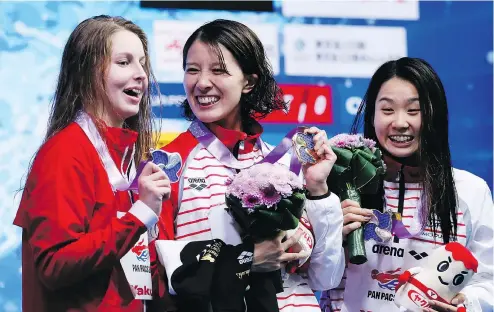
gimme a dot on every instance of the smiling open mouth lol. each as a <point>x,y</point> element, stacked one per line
<point>441,280</point>
<point>401,138</point>
<point>207,100</point>
<point>133,92</point>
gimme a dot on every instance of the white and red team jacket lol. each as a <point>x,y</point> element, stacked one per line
<point>198,203</point>
<point>370,287</point>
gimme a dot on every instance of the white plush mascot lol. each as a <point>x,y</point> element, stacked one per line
<point>448,270</point>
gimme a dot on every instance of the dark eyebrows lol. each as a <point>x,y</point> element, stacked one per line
<point>212,65</point>
<point>386,99</point>
<point>195,64</point>
<point>409,101</point>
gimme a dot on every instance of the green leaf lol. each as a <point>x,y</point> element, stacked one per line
<point>361,167</point>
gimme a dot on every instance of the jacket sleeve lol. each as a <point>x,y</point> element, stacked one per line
<point>161,298</point>
<point>481,287</point>
<point>164,230</point>
<point>57,206</point>
<point>327,261</point>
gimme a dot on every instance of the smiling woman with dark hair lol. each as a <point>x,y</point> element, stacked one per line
<point>229,83</point>
<point>405,111</point>
<point>265,96</point>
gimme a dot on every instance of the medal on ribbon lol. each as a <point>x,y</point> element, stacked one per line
<point>170,163</point>
<point>303,144</point>
<point>379,226</point>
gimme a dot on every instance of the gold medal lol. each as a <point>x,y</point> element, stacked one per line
<point>303,144</point>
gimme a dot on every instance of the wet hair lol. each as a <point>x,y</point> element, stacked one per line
<point>266,96</point>
<point>81,81</point>
<point>434,159</point>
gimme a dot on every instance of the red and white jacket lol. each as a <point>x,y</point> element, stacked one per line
<point>72,239</point>
<point>198,200</point>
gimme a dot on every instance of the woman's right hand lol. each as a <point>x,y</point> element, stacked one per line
<point>270,254</point>
<point>154,187</point>
<point>353,216</point>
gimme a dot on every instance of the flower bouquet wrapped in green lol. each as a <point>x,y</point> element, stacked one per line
<point>359,169</point>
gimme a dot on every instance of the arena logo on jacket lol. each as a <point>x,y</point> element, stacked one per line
<point>392,251</point>
<point>387,281</point>
<point>197,183</point>
<point>388,251</point>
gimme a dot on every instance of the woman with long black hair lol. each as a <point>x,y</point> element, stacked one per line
<point>405,111</point>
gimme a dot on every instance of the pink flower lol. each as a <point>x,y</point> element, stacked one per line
<point>295,182</point>
<point>369,143</point>
<point>250,186</point>
<point>345,140</point>
<point>235,190</point>
<point>270,196</point>
<point>263,184</point>
<point>250,200</point>
<point>283,188</point>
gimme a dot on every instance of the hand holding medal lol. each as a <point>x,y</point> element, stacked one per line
<point>153,177</point>
<point>154,186</point>
<point>317,158</point>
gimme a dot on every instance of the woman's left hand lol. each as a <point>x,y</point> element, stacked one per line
<point>317,174</point>
<point>437,306</point>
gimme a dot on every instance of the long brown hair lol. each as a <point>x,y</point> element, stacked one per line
<point>81,82</point>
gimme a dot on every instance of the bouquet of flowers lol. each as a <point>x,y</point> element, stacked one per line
<point>358,170</point>
<point>264,200</point>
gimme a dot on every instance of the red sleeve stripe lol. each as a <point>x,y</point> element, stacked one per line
<point>295,295</point>
<point>193,233</point>
<point>204,157</point>
<point>214,175</point>
<point>251,158</point>
<point>199,208</point>
<point>404,207</point>
<point>208,166</point>
<point>406,198</point>
<point>300,305</point>
<point>202,197</point>
<point>191,222</point>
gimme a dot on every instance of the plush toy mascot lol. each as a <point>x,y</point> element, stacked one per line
<point>447,271</point>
